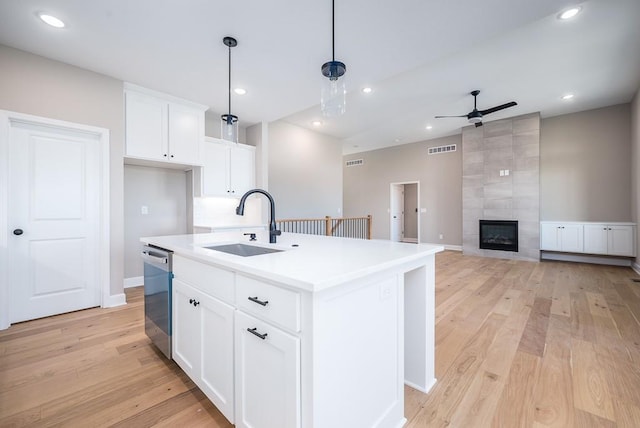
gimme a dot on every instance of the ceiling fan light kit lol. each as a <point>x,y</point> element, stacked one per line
<point>333,95</point>
<point>229,122</point>
<point>475,116</point>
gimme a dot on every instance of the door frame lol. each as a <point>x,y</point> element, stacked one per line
<point>402,183</point>
<point>7,118</point>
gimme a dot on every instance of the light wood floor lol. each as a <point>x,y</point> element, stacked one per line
<point>518,344</point>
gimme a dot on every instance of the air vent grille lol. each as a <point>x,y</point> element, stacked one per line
<point>442,149</point>
<point>354,162</point>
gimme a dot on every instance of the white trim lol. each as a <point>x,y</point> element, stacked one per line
<point>636,267</point>
<point>452,247</point>
<point>419,388</point>
<point>115,300</point>
<point>134,281</point>
<point>410,240</point>
<point>104,274</point>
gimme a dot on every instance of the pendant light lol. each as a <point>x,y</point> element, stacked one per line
<point>333,96</point>
<point>229,122</point>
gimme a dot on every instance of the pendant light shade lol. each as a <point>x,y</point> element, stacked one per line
<point>229,122</point>
<point>333,96</point>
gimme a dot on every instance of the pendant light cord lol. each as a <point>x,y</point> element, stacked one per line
<point>229,81</point>
<point>333,29</point>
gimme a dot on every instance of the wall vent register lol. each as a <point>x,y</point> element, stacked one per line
<point>499,235</point>
<point>354,162</point>
<point>442,149</point>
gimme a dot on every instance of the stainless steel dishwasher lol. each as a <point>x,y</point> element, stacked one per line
<point>158,275</point>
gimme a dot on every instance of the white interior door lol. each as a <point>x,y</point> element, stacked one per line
<point>54,209</point>
<point>397,215</point>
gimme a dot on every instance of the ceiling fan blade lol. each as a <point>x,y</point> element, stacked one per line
<point>500,107</point>
<point>478,124</point>
<point>440,117</point>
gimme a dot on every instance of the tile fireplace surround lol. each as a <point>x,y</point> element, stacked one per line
<point>500,181</point>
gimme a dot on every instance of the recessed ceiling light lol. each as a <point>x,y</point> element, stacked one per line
<point>567,97</point>
<point>51,20</point>
<point>317,123</point>
<point>240,91</point>
<point>429,127</point>
<point>367,90</point>
<point>569,13</point>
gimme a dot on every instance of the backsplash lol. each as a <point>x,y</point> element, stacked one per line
<point>221,212</point>
<point>501,181</point>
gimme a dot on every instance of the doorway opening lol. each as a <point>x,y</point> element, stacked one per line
<point>404,212</point>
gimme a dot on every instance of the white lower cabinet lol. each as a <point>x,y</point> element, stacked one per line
<point>610,239</point>
<point>566,237</point>
<point>267,375</point>
<point>203,343</point>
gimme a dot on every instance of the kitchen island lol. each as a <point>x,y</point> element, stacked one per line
<point>322,333</point>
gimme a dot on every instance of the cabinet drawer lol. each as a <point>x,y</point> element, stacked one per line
<point>208,279</point>
<point>271,303</point>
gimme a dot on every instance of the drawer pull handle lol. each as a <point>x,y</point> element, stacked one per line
<point>256,300</point>
<point>194,302</point>
<point>254,332</point>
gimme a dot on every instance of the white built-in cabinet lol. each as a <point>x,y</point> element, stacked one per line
<point>203,329</point>
<point>225,339</point>
<point>613,239</point>
<point>228,169</point>
<point>609,239</point>
<point>566,237</point>
<point>162,128</point>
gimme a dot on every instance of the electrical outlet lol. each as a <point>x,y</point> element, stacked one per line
<point>144,210</point>
<point>441,236</point>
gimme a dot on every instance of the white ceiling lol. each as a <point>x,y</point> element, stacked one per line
<point>421,57</point>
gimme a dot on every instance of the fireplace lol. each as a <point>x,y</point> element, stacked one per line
<point>499,235</point>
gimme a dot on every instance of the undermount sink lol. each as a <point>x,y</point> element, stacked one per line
<point>243,249</point>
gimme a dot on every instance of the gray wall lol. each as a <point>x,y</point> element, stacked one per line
<point>35,85</point>
<point>305,172</point>
<point>411,211</point>
<point>164,193</point>
<point>585,165</point>
<point>367,187</point>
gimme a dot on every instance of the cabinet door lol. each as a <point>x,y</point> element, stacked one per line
<point>186,132</point>
<point>621,240</point>
<point>216,364</point>
<point>185,328</point>
<point>267,375</point>
<point>215,169</point>
<point>242,169</point>
<point>572,238</point>
<point>595,238</point>
<point>146,127</point>
<point>550,236</point>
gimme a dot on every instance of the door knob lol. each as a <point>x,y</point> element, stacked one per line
<point>18,232</point>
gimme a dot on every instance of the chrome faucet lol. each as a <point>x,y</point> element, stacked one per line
<point>273,232</point>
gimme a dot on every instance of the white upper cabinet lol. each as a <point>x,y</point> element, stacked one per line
<point>161,128</point>
<point>228,169</point>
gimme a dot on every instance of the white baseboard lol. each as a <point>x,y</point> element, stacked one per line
<point>453,247</point>
<point>115,300</point>
<point>410,240</point>
<point>636,267</point>
<point>134,281</point>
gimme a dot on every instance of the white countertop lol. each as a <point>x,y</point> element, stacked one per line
<point>317,263</point>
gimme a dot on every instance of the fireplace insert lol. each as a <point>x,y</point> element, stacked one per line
<point>499,235</point>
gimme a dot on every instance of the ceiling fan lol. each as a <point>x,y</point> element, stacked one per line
<point>475,116</point>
